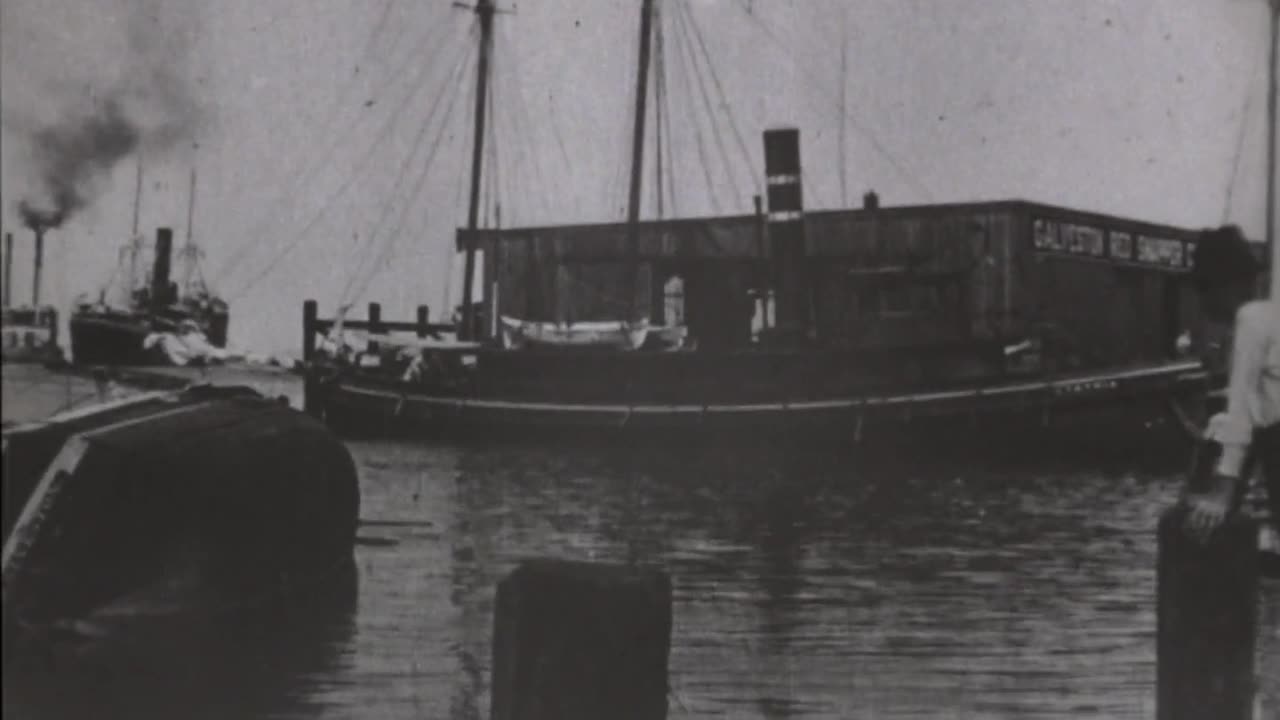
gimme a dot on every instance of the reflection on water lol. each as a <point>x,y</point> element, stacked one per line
<point>805,587</point>
<point>264,664</point>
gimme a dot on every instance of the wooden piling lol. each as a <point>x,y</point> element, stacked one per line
<point>424,321</point>
<point>581,641</point>
<point>310,389</point>
<point>375,325</point>
<point>1206,620</point>
<point>309,313</point>
<point>8,269</point>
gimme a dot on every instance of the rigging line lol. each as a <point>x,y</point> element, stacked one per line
<point>691,19</point>
<point>450,249</point>
<point>452,98</point>
<point>528,160</point>
<point>1244,127</point>
<point>495,186</point>
<point>416,192</point>
<point>666,122</point>
<point>687,57</point>
<point>328,204</point>
<point>850,117</point>
<point>307,172</point>
<point>526,146</point>
<point>383,133</point>
<point>711,115</point>
<point>387,207</point>
<point>660,100</point>
<point>298,168</point>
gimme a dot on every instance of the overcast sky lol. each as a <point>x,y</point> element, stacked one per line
<point>1146,108</point>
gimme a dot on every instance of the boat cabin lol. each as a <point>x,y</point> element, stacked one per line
<point>1092,290</point>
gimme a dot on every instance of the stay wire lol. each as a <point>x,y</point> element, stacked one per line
<point>386,210</point>
<point>308,172</point>
<point>879,146</point>
<point>692,22</point>
<point>383,133</point>
<point>416,192</point>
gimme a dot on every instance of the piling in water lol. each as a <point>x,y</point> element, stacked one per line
<point>1206,620</point>
<point>581,641</point>
<point>8,269</point>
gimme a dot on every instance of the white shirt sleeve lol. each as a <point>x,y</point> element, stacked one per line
<point>1233,428</point>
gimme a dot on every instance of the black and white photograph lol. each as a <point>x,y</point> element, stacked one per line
<point>640,359</point>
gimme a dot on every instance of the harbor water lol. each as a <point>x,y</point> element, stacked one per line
<point>812,585</point>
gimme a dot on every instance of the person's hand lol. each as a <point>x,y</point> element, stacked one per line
<point>1207,510</point>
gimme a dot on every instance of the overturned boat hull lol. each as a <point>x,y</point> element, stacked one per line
<point>183,505</point>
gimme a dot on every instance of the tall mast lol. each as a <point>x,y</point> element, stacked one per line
<point>844,81</point>
<point>1272,130</point>
<point>189,250</point>
<point>135,240</point>
<point>637,152</point>
<point>484,10</point>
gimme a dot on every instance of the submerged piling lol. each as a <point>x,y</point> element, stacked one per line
<point>1206,620</point>
<point>581,641</point>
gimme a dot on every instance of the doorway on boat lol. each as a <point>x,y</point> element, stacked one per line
<point>712,298</point>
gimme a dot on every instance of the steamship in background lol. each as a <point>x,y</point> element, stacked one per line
<point>821,322</point>
<point>28,333</point>
<point>158,321</point>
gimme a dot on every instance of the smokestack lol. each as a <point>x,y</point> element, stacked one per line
<point>786,228</point>
<point>160,271</point>
<point>35,280</point>
<point>8,269</point>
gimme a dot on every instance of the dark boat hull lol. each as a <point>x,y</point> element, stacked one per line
<point>363,405</point>
<point>101,339</point>
<point>190,505</point>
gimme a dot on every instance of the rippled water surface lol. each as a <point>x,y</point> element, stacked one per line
<point>806,586</point>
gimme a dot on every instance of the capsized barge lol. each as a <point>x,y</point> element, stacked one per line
<point>170,506</point>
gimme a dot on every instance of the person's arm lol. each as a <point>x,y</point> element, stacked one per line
<point>1233,428</point>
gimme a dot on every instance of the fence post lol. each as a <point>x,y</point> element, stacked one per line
<point>375,325</point>
<point>1207,597</point>
<point>581,641</point>
<point>424,319</point>
<point>309,311</point>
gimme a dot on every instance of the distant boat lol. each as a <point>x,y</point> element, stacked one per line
<point>787,318</point>
<point>27,333</point>
<point>160,322</point>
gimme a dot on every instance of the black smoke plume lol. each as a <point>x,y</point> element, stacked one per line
<point>73,158</point>
<point>148,107</point>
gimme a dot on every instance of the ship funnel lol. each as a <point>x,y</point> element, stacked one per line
<point>39,265</point>
<point>786,229</point>
<point>871,201</point>
<point>160,292</point>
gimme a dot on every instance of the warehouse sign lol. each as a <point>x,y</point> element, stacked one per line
<point>1093,242</point>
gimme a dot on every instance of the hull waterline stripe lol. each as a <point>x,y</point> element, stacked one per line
<point>1181,369</point>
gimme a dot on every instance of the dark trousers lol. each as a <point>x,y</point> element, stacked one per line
<point>1266,452</point>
